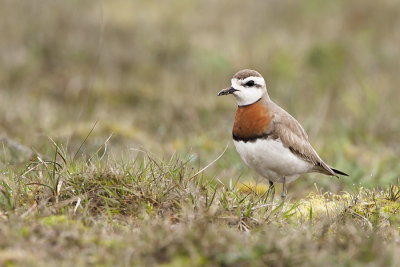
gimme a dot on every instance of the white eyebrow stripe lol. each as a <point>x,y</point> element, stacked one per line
<point>238,83</point>
<point>257,80</point>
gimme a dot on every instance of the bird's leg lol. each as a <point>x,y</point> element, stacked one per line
<point>271,189</point>
<point>283,194</point>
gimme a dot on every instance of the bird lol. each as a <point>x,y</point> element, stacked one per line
<point>267,138</point>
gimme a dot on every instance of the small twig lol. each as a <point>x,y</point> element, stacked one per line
<point>78,203</point>
<point>44,185</point>
<point>68,201</point>
<point>362,217</point>
<point>211,163</point>
<point>105,148</point>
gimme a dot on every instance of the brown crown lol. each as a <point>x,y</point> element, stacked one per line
<point>243,74</point>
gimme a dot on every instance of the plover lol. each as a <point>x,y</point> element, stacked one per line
<point>267,138</point>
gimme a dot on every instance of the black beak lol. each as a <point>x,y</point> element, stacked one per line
<point>227,91</point>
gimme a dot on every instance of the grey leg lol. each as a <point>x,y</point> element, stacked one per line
<point>271,189</point>
<point>283,194</point>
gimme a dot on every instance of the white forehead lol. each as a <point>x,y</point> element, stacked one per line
<point>238,83</point>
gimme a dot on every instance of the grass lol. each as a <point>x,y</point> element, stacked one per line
<point>108,110</point>
<point>149,211</point>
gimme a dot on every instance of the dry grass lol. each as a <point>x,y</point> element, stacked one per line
<point>147,75</point>
<point>150,211</point>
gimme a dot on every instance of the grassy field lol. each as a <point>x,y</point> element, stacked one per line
<point>108,111</point>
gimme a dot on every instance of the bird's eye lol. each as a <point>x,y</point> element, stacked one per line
<point>250,83</point>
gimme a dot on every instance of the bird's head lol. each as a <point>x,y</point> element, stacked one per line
<point>248,86</point>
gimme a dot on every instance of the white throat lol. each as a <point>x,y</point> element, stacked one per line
<point>248,95</point>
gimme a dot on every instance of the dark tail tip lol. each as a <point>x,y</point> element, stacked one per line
<point>339,172</point>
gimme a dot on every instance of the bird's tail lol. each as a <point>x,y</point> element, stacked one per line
<point>339,172</point>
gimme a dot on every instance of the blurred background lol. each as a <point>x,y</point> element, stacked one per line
<point>148,72</point>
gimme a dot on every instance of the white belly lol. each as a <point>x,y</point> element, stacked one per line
<point>272,160</point>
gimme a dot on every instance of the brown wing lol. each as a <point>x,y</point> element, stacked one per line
<point>294,137</point>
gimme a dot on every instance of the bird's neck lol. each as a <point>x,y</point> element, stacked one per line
<point>248,102</point>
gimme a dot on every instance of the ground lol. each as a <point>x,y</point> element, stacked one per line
<point>109,116</point>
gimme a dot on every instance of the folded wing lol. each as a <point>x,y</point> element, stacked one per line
<point>294,137</point>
